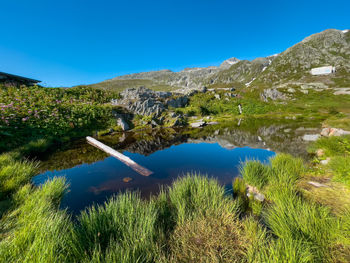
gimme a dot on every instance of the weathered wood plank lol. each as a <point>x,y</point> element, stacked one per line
<point>121,157</point>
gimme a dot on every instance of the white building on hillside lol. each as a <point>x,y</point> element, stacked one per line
<point>323,70</point>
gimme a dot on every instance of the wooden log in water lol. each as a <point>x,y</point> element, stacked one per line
<point>121,157</point>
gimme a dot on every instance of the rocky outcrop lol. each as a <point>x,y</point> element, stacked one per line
<point>147,102</point>
<point>333,132</point>
<point>272,94</point>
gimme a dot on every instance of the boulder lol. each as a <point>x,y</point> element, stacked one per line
<point>272,94</point>
<point>325,162</point>
<point>311,137</point>
<point>203,89</point>
<point>333,132</point>
<point>198,124</point>
<point>148,102</point>
<point>253,191</point>
<point>217,96</point>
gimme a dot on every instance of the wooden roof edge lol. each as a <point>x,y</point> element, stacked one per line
<point>19,77</point>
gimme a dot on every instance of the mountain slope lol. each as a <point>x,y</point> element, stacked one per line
<point>330,47</point>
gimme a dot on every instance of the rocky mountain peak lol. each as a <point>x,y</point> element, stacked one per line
<point>229,62</point>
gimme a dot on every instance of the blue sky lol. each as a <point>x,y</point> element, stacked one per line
<point>71,42</point>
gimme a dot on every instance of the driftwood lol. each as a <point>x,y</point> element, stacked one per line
<point>121,157</point>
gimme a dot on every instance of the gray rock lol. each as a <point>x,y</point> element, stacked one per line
<point>311,137</point>
<point>217,96</point>
<point>203,89</point>
<point>144,101</point>
<point>178,102</point>
<point>325,162</point>
<point>316,184</point>
<point>272,94</point>
<point>154,123</point>
<point>198,124</point>
<point>123,124</point>
<point>212,123</point>
<point>333,132</point>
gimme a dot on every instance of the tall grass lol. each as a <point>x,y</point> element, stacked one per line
<point>333,146</point>
<point>194,220</point>
<point>341,168</point>
<point>193,195</point>
<point>294,220</point>
<point>255,173</point>
<point>37,231</point>
<point>121,230</point>
<point>14,174</point>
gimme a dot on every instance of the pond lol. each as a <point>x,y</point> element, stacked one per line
<point>213,151</point>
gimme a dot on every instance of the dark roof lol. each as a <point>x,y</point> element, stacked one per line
<point>11,76</point>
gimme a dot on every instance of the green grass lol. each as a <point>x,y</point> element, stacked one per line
<point>193,220</point>
<point>332,146</point>
<point>194,196</point>
<point>13,174</point>
<point>122,230</point>
<point>36,230</point>
<point>341,168</point>
<point>255,173</point>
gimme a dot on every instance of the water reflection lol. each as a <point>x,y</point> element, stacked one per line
<point>213,150</point>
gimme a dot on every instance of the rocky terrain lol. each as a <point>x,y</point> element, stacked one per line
<point>328,48</point>
<point>143,101</point>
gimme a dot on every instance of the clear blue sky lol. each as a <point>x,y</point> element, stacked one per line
<point>70,42</point>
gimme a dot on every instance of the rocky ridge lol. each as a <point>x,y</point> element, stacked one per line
<point>330,47</point>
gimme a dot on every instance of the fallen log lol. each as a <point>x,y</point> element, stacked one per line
<point>121,157</point>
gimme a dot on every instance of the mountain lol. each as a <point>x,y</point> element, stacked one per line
<point>328,48</point>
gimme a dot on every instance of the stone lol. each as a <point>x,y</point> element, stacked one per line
<point>217,96</point>
<point>311,137</point>
<point>333,132</point>
<point>319,152</point>
<point>212,123</point>
<point>203,89</point>
<point>147,102</point>
<point>123,124</point>
<point>272,94</point>
<point>253,191</point>
<point>325,132</point>
<point>316,184</point>
<point>291,90</point>
<point>325,162</point>
<point>127,179</point>
<point>154,123</point>
<point>178,102</point>
<point>198,124</point>
<point>338,132</point>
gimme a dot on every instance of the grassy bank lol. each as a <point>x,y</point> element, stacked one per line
<point>194,220</point>
<point>36,113</point>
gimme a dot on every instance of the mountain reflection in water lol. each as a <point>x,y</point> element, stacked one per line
<point>215,151</point>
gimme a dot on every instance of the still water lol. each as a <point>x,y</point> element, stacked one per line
<point>95,182</point>
<point>217,152</point>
